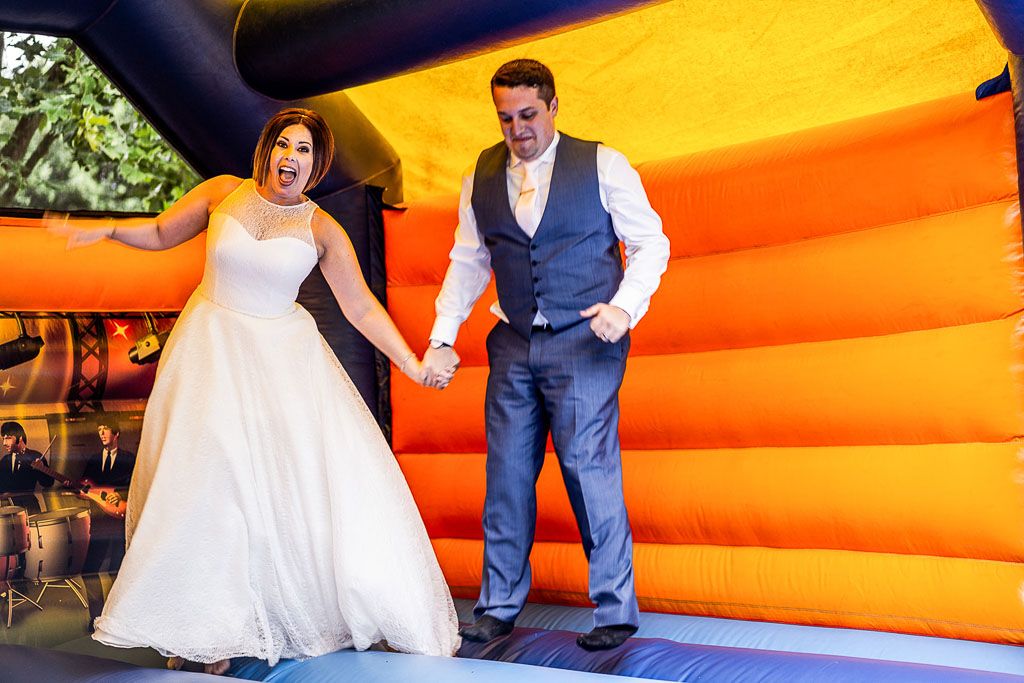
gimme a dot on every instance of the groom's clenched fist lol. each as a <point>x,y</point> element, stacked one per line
<point>609,323</point>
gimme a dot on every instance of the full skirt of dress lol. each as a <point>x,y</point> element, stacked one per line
<point>267,516</point>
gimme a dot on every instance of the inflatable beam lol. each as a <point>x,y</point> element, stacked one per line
<point>1006,17</point>
<point>351,42</point>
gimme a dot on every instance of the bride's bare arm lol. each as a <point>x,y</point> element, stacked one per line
<point>341,269</point>
<point>179,223</point>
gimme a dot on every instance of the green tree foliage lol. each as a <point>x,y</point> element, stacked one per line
<point>69,140</point>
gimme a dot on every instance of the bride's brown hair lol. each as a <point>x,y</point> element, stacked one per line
<point>323,144</point>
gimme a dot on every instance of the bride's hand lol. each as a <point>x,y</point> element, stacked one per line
<point>78,233</point>
<point>414,370</point>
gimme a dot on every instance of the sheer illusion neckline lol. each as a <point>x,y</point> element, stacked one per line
<point>264,220</point>
<point>255,191</point>
<point>256,239</point>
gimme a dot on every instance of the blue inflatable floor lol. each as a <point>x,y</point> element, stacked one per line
<point>542,649</point>
<point>787,638</point>
<point>666,660</point>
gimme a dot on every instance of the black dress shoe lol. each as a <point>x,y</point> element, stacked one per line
<point>606,637</point>
<point>486,628</point>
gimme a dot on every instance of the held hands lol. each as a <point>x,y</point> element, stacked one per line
<point>419,372</point>
<point>609,323</point>
<point>78,233</point>
<point>412,368</point>
<point>440,365</point>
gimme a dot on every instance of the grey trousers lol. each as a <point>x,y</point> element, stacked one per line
<point>566,383</point>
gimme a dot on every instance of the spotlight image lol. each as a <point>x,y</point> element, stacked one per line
<point>147,349</point>
<point>20,350</point>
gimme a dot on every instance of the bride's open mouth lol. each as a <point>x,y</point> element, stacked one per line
<point>286,175</point>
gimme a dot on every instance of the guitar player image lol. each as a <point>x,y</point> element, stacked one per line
<point>18,479</point>
<point>110,467</point>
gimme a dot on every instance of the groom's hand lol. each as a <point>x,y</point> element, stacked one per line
<point>440,365</point>
<point>608,322</point>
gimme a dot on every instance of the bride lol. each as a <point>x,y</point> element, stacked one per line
<point>268,518</point>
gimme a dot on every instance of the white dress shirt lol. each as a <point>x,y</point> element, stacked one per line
<point>622,195</point>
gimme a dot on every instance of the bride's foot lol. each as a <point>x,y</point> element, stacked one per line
<point>175,663</point>
<point>217,668</point>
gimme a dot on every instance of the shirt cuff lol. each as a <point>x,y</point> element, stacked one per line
<point>445,329</point>
<point>631,303</point>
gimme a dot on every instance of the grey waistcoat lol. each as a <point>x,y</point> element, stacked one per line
<point>573,260</point>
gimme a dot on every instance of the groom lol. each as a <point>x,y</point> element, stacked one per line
<point>546,212</point>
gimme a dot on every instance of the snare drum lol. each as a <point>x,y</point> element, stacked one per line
<point>59,542</point>
<point>14,539</point>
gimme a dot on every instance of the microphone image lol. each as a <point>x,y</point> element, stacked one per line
<point>20,350</point>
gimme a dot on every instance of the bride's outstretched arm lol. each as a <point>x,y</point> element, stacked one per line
<point>179,223</point>
<point>340,267</point>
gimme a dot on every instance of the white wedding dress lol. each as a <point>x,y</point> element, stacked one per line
<point>267,515</point>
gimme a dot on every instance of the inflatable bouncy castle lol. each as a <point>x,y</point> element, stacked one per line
<point>822,412</point>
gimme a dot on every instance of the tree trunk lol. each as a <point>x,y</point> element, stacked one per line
<point>21,137</point>
<point>25,130</point>
<point>38,153</point>
<point>8,193</point>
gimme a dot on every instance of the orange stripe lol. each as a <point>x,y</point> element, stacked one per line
<point>928,159</point>
<point>935,596</point>
<point>920,500</point>
<point>947,385</point>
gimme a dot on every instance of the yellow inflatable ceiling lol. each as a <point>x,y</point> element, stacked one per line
<point>679,77</point>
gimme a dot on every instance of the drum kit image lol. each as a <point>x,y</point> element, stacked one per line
<point>48,548</point>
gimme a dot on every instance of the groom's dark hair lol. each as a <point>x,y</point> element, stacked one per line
<point>529,73</point>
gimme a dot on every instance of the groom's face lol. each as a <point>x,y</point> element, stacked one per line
<point>527,122</point>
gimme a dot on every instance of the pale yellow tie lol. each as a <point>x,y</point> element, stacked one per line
<point>526,211</point>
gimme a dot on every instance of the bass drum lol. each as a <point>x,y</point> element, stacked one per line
<point>59,543</point>
<point>14,539</point>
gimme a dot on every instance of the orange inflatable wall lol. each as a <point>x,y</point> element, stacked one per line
<point>822,411</point>
<point>42,275</point>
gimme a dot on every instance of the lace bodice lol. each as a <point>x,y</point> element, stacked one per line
<point>257,253</point>
<point>265,220</point>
